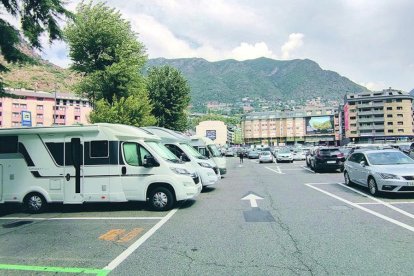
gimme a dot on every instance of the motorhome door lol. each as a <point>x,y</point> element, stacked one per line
<point>73,170</point>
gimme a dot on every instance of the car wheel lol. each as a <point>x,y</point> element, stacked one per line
<point>34,203</point>
<point>291,161</point>
<point>161,199</point>
<point>307,163</point>
<point>372,186</point>
<point>341,169</point>
<point>348,181</point>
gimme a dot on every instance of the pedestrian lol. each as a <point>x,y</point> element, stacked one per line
<point>241,156</point>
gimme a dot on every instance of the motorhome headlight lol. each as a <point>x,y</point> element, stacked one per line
<point>389,176</point>
<point>180,171</point>
<point>205,165</point>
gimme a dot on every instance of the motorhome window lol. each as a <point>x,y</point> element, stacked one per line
<point>203,151</point>
<point>56,149</point>
<point>68,154</point>
<point>163,151</point>
<point>98,149</point>
<point>191,150</point>
<point>8,144</point>
<point>131,154</point>
<point>143,152</point>
<point>214,150</point>
<point>176,150</point>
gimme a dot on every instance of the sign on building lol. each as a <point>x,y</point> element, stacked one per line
<point>26,118</point>
<point>211,134</point>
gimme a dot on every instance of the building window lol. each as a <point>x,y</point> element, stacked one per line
<point>15,105</point>
<point>15,124</point>
<point>40,99</point>
<point>390,131</point>
<point>39,124</point>
<point>1,104</point>
<point>16,114</point>
<point>389,101</point>
<point>389,108</point>
<point>399,100</point>
<point>39,107</point>
<point>1,113</point>
<point>0,123</point>
<point>389,115</point>
<point>399,108</point>
<point>39,116</point>
<point>400,123</point>
<point>389,123</point>
<point>23,106</point>
<point>400,130</point>
<point>77,118</point>
<point>400,115</point>
<point>61,116</point>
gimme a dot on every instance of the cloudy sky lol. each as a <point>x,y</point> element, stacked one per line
<point>369,41</point>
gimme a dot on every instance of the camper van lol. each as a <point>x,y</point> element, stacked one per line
<point>95,163</point>
<point>207,148</point>
<point>180,145</point>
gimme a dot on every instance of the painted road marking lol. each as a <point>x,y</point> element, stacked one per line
<point>278,171</point>
<point>306,168</point>
<point>396,222</point>
<point>380,201</point>
<point>122,257</point>
<point>98,272</point>
<point>390,202</point>
<point>81,218</point>
<point>112,235</point>
<point>129,236</point>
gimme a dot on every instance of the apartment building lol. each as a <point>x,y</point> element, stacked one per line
<point>313,126</point>
<point>46,109</point>
<point>378,116</point>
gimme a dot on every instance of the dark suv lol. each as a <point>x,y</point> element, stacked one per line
<point>327,158</point>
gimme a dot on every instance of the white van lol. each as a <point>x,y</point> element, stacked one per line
<point>179,144</point>
<point>207,148</point>
<point>95,163</point>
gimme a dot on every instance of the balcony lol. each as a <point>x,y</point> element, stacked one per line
<point>371,112</point>
<point>370,120</point>
<point>370,105</point>
<point>371,127</point>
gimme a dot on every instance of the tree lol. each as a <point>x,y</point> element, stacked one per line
<point>36,17</point>
<point>106,51</point>
<point>169,94</point>
<point>128,111</point>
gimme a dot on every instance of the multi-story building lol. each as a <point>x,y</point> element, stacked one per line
<point>319,125</point>
<point>46,109</point>
<point>378,116</point>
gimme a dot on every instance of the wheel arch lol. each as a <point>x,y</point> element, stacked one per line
<point>40,191</point>
<point>154,185</point>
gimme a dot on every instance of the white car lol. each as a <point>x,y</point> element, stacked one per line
<point>299,154</point>
<point>265,157</point>
<point>380,170</point>
<point>284,155</point>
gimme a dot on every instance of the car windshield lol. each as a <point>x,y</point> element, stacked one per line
<point>284,150</point>
<point>329,151</point>
<point>265,153</point>
<point>163,151</point>
<point>192,151</point>
<point>214,150</point>
<point>389,158</point>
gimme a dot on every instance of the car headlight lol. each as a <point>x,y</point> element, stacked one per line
<point>205,165</point>
<point>180,171</point>
<point>389,176</point>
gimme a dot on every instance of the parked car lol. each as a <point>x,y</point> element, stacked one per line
<point>309,155</point>
<point>229,153</point>
<point>265,157</point>
<point>284,155</point>
<point>327,158</point>
<point>345,151</point>
<point>253,154</point>
<point>380,170</point>
<point>299,154</point>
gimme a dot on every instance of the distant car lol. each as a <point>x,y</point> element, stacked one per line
<point>284,155</point>
<point>299,154</point>
<point>327,158</point>
<point>309,155</point>
<point>345,151</point>
<point>229,153</point>
<point>380,170</point>
<point>253,154</point>
<point>265,157</point>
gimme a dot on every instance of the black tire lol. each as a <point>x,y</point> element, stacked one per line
<point>348,181</point>
<point>34,203</point>
<point>277,161</point>
<point>372,186</point>
<point>291,161</point>
<point>307,163</point>
<point>161,199</point>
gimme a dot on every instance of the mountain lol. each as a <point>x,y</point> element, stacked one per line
<point>412,92</point>
<point>230,80</point>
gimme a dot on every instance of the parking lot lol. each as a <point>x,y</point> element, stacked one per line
<point>301,222</point>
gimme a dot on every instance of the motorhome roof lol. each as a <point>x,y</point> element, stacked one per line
<point>112,131</point>
<point>168,134</point>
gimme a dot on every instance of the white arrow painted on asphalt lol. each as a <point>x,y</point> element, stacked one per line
<point>252,198</point>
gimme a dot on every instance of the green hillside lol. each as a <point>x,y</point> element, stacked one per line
<point>229,80</point>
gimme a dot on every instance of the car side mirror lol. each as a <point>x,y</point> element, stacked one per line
<point>363,163</point>
<point>149,162</point>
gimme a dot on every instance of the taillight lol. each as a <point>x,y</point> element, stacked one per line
<point>340,154</point>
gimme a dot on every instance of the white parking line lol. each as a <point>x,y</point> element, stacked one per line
<point>396,222</point>
<point>380,201</point>
<point>278,171</point>
<point>81,218</point>
<point>118,260</point>
<point>306,168</point>
<point>390,202</point>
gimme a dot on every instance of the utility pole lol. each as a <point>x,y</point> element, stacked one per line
<point>54,110</point>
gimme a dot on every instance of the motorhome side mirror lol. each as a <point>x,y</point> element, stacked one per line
<point>149,162</point>
<point>184,157</point>
<point>363,163</point>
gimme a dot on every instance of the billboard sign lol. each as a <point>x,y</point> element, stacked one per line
<point>211,134</point>
<point>320,125</point>
<point>26,118</point>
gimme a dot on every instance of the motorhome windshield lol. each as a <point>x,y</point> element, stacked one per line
<point>214,150</point>
<point>192,151</point>
<point>163,151</point>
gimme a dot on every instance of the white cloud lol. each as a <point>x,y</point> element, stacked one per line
<point>295,41</point>
<point>374,86</point>
<point>249,51</point>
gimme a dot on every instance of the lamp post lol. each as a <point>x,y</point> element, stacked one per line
<point>54,110</point>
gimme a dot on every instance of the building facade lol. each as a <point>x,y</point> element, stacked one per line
<point>378,116</point>
<point>215,130</point>
<point>310,126</point>
<point>46,109</point>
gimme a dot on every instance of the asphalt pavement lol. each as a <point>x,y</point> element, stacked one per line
<point>260,219</point>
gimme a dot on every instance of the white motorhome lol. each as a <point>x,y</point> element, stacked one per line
<point>179,144</point>
<point>207,148</point>
<point>95,163</point>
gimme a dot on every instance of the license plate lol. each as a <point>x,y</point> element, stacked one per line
<point>410,183</point>
<point>331,162</point>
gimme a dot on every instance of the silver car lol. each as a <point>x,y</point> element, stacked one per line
<point>380,170</point>
<point>265,157</point>
<point>284,155</point>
